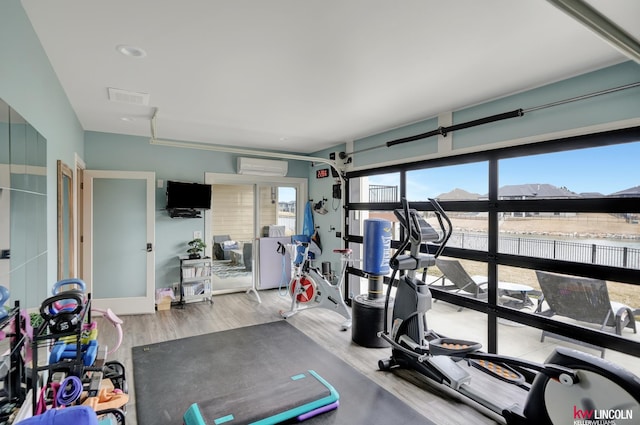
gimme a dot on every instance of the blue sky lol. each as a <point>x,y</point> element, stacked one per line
<point>605,169</point>
<point>286,194</point>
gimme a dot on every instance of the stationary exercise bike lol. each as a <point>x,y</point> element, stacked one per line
<point>570,387</point>
<point>310,289</point>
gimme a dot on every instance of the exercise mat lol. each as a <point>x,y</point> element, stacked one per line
<point>170,376</point>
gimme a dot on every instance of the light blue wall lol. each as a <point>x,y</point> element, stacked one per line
<point>597,110</point>
<point>623,105</point>
<point>105,151</point>
<point>323,188</point>
<point>617,106</point>
<point>29,85</point>
<point>374,149</point>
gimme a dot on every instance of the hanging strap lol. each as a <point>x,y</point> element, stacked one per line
<point>41,407</point>
<point>283,287</point>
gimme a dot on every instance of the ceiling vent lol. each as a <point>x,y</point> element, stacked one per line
<point>262,167</point>
<point>130,97</point>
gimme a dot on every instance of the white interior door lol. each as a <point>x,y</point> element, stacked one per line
<point>119,258</point>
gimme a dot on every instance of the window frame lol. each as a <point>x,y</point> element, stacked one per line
<point>494,206</point>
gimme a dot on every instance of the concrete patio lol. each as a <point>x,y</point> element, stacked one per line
<point>514,339</point>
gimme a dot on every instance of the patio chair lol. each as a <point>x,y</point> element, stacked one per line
<point>462,283</point>
<point>222,247</point>
<point>584,300</point>
<point>456,279</point>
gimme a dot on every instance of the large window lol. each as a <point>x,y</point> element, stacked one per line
<point>454,183</point>
<point>569,208</point>
<point>278,207</point>
<point>378,188</point>
<point>604,171</point>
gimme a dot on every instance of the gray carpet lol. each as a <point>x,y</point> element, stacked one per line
<point>172,375</point>
<point>226,269</point>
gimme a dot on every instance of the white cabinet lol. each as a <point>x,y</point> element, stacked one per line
<point>195,280</point>
<point>274,269</point>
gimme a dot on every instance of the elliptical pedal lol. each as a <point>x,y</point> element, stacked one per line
<point>452,347</point>
<point>498,370</point>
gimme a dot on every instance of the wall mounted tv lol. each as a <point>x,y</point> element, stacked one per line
<point>187,196</point>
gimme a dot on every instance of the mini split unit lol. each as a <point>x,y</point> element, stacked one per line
<point>262,167</point>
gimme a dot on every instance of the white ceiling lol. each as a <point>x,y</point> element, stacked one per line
<point>304,75</point>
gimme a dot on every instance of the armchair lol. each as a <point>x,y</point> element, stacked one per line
<point>222,247</point>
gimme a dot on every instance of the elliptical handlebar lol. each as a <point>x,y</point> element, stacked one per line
<point>407,239</point>
<point>414,235</point>
<point>409,220</point>
<point>447,229</point>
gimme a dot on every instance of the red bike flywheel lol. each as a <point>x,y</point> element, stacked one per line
<point>305,288</point>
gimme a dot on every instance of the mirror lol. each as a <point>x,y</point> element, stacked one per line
<point>5,197</point>
<point>23,209</point>
<point>66,268</point>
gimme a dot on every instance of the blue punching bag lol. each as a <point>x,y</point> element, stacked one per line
<point>377,246</point>
<point>368,309</point>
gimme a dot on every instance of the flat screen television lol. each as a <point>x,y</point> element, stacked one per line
<point>192,196</point>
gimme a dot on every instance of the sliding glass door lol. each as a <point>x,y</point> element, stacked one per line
<point>232,235</point>
<point>278,208</point>
<point>245,212</point>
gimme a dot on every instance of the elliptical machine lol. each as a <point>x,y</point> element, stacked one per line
<point>571,386</point>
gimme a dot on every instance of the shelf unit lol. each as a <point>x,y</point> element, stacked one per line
<point>195,281</point>
<point>43,370</point>
<point>43,339</point>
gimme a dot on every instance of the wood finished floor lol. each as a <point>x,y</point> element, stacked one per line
<point>236,310</point>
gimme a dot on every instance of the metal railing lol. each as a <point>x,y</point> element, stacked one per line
<point>381,193</point>
<point>605,255</point>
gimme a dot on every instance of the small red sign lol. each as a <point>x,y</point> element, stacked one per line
<point>322,173</point>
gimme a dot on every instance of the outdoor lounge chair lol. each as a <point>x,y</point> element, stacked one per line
<point>462,283</point>
<point>584,300</point>
<point>456,279</point>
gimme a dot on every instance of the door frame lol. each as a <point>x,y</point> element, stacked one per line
<point>128,305</point>
<point>223,178</point>
<point>78,215</point>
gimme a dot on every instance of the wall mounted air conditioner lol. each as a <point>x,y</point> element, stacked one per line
<point>262,167</point>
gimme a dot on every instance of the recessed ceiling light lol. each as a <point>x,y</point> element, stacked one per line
<point>132,51</point>
<point>127,119</point>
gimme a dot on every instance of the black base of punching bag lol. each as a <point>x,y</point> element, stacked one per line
<point>367,320</point>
